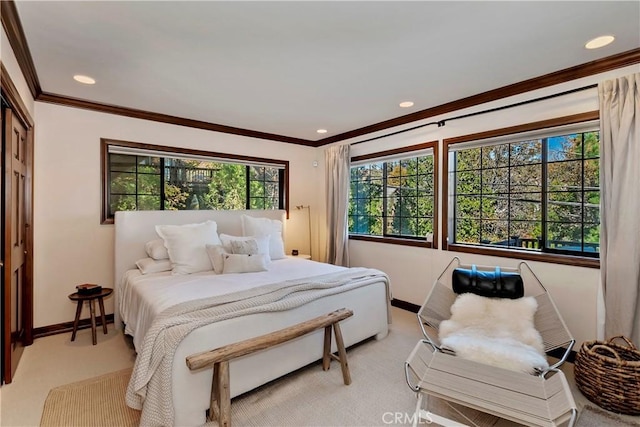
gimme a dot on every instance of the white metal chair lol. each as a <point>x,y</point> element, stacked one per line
<point>535,400</point>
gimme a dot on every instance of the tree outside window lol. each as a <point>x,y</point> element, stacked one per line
<point>138,181</point>
<point>393,198</point>
<point>541,194</point>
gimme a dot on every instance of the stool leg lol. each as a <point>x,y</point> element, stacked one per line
<point>102,318</point>
<point>76,320</point>
<point>92,307</point>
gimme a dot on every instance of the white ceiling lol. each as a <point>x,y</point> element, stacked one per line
<point>289,68</point>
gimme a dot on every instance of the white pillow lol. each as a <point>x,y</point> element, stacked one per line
<point>150,265</point>
<point>261,241</point>
<point>156,249</point>
<point>216,255</point>
<point>262,227</point>
<point>186,245</point>
<point>238,263</point>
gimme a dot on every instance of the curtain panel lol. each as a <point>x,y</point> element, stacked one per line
<point>338,173</point>
<point>620,204</point>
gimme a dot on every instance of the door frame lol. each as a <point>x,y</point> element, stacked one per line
<point>20,112</point>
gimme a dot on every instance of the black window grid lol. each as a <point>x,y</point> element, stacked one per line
<point>164,173</point>
<point>544,243</point>
<point>360,223</point>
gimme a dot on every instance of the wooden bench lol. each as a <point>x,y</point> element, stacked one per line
<point>220,408</point>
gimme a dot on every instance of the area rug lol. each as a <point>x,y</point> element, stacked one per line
<point>591,416</point>
<point>94,402</point>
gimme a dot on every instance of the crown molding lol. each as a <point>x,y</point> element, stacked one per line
<point>68,101</point>
<point>13,96</point>
<point>17,40</point>
<point>579,71</point>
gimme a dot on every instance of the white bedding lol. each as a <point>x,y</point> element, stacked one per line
<point>145,296</point>
<point>151,381</point>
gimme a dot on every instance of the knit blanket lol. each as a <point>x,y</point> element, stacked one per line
<point>150,385</point>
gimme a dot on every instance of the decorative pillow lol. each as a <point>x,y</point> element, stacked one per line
<point>495,331</point>
<point>186,245</point>
<point>236,244</point>
<point>238,263</point>
<point>150,265</point>
<point>216,255</point>
<point>156,249</point>
<point>244,247</point>
<point>262,227</point>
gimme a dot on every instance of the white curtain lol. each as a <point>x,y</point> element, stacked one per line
<point>337,163</point>
<point>620,205</point>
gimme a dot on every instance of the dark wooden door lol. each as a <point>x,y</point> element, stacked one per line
<point>15,208</point>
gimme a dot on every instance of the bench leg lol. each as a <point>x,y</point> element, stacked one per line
<point>76,320</point>
<point>326,353</point>
<point>214,410</point>
<point>342,353</point>
<point>220,407</point>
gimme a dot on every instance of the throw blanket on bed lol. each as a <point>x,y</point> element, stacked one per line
<point>150,381</point>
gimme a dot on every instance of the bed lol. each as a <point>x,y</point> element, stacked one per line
<point>189,392</point>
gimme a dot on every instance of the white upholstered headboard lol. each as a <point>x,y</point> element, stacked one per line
<point>135,228</point>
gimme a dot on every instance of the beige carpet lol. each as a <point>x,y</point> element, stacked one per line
<point>378,396</point>
<point>591,416</point>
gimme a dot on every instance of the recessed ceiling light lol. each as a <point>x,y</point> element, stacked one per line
<point>406,104</point>
<point>321,131</point>
<point>599,42</point>
<point>84,79</point>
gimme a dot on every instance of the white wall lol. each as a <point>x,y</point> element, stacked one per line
<point>414,270</point>
<point>70,245</point>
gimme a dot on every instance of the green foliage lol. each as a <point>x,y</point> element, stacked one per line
<point>409,198</point>
<point>175,197</point>
<point>263,187</point>
<point>135,183</point>
<point>366,202</point>
<point>228,188</point>
<point>499,192</point>
<point>189,184</point>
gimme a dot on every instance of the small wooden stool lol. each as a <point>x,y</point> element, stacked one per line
<point>91,299</point>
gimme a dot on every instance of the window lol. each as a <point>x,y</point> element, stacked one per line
<point>393,195</point>
<point>146,177</point>
<point>536,192</point>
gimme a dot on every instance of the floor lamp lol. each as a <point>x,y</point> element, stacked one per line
<point>308,207</point>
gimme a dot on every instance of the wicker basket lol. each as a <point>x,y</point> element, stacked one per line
<point>608,374</point>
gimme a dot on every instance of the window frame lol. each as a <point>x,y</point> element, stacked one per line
<point>105,143</point>
<point>406,240</point>
<point>557,258</point>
